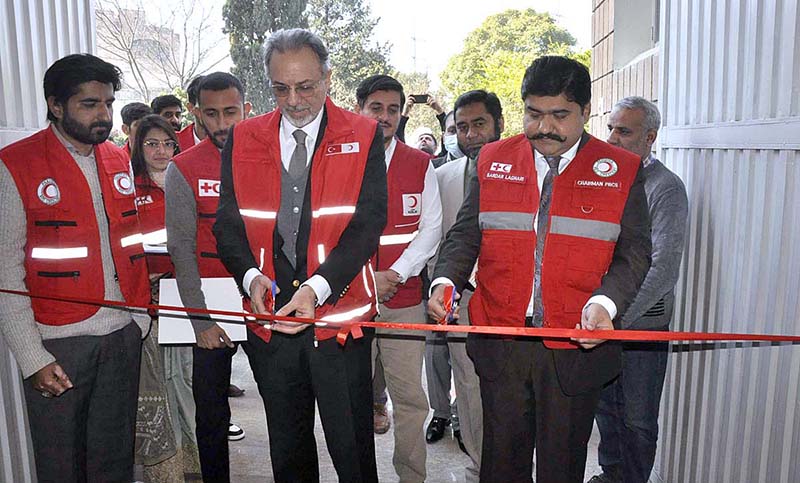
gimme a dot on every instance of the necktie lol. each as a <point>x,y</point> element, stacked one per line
<point>297,165</point>
<point>541,234</point>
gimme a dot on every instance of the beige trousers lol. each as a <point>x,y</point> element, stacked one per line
<point>401,354</point>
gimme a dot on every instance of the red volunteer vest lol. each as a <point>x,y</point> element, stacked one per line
<point>62,254</point>
<point>584,222</point>
<point>186,137</point>
<point>336,174</point>
<point>405,182</point>
<point>151,205</point>
<point>200,166</point>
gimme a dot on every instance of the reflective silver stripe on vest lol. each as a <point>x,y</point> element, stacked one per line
<point>130,240</point>
<point>155,237</point>
<point>505,220</point>
<point>593,229</point>
<point>334,210</point>
<point>59,253</point>
<point>262,215</point>
<point>349,315</point>
<point>398,239</point>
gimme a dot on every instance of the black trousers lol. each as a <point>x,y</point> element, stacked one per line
<point>211,377</point>
<point>87,433</point>
<point>292,374</point>
<point>627,414</point>
<point>524,407</point>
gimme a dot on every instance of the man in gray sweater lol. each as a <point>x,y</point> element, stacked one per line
<point>69,228</point>
<point>627,414</point>
<point>192,195</point>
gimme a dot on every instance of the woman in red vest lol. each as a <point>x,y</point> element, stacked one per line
<point>156,447</point>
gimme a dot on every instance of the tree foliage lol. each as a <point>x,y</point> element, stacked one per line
<point>346,27</point>
<point>496,54</point>
<point>249,23</point>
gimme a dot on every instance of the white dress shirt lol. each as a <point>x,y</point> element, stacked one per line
<point>424,245</point>
<point>542,167</point>
<point>318,284</point>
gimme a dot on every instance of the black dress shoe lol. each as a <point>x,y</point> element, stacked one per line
<point>457,435</point>
<point>435,430</point>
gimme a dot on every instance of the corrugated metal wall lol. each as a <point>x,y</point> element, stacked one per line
<point>730,99</point>
<point>33,34</point>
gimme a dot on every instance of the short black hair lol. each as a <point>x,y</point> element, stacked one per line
<point>553,75</point>
<point>134,111</point>
<point>192,91</point>
<point>219,81</point>
<point>162,102</point>
<point>488,99</point>
<point>61,80</point>
<point>378,82</point>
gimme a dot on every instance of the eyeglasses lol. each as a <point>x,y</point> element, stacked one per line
<point>154,144</point>
<point>302,90</point>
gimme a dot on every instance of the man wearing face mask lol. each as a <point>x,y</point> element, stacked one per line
<point>479,117</point>
<point>450,149</point>
<point>192,196</point>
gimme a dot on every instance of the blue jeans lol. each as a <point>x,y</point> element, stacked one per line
<point>627,413</point>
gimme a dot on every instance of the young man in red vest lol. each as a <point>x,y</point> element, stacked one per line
<point>131,115</point>
<point>192,196</point>
<point>303,203</point>
<point>69,228</point>
<point>558,223</point>
<point>412,234</point>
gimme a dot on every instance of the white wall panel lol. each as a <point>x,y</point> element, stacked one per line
<point>33,34</point>
<point>730,93</point>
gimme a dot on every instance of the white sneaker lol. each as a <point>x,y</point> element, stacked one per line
<point>235,433</point>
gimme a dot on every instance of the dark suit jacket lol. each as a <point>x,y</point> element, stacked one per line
<point>578,370</point>
<point>358,242</point>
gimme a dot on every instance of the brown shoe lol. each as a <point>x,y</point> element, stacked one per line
<point>381,419</point>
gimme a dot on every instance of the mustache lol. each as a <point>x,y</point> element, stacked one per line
<point>103,124</point>
<point>221,133</point>
<point>554,137</point>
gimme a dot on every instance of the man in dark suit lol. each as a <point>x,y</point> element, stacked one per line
<point>303,203</point>
<point>559,225</point>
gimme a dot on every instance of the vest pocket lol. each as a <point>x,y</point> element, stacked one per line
<point>68,274</point>
<point>496,269</point>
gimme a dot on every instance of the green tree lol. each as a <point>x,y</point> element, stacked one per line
<point>248,24</point>
<point>496,54</point>
<point>346,27</point>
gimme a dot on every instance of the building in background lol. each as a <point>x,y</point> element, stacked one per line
<point>726,77</point>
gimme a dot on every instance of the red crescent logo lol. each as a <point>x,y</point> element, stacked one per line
<point>414,202</point>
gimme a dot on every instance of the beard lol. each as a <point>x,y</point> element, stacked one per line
<point>86,134</point>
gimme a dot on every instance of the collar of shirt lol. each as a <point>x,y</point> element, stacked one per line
<point>287,140</point>
<point>542,167</point>
<point>70,148</point>
<point>389,152</point>
<point>194,134</point>
<point>648,160</point>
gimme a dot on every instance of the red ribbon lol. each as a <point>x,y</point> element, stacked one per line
<point>355,327</point>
